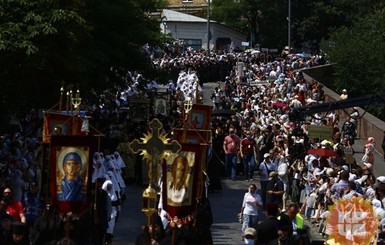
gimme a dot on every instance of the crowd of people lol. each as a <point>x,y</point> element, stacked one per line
<point>258,138</point>
<point>27,215</point>
<point>261,136</point>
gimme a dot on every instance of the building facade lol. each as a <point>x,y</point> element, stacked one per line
<point>192,7</point>
<point>193,30</point>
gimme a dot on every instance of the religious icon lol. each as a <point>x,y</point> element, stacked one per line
<point>180,178</point>
<point>197,120</point>
<point>200,116</point>
<point>160,107</point>
<point>72,171</point>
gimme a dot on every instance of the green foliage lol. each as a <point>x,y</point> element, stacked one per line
<point>263,18</point>
<point>358,56</point>
<point>90,44</point>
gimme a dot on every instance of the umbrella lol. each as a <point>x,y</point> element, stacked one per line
<point>222,113</point>
<point>324,152</point>
<point>255,52</point>
<point>279,104</point>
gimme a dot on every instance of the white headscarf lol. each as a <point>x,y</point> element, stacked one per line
<point>97,171</point>
<point>119,161</point>
<point>112,167</point>
<point>114,182</point>
<point>108,186</point>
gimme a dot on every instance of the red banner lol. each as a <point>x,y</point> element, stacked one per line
<point>182,180</point>
<point>70,173</point>
<point>59,124</point>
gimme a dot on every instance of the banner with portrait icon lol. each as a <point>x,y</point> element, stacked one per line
<point>200,116</point>
<point>182,180</point>
<point>61,124</point>
<point>70,173</point>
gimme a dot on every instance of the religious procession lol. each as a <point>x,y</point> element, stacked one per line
<point>66,172</point>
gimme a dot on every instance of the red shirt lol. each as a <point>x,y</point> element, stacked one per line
<point>247,146</point>
<point>15,208</point>
<point>231,144</point>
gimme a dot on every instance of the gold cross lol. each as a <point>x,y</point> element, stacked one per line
<point>153,146</point>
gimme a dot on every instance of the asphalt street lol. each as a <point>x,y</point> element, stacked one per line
<point>225,204</point>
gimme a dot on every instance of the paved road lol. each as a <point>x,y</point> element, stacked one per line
<point>225,204</point>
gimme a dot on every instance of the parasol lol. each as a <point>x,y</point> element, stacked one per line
<point>324,152</point>
<point>279,104</point>
<point>255,52</point>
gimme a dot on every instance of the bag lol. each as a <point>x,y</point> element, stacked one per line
<point>240,218</point>
<point>282,169</point>
<point>365,158</point>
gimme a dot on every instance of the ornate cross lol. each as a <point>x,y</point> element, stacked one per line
<point>154,146</point>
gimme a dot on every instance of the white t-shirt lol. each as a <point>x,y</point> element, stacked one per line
<point>250,207</point>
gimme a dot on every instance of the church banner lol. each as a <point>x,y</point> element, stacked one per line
<point>71,171</point>
<point>182,180</point>
<point>61,124</point>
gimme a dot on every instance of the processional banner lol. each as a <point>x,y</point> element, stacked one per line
<point>70,172</point>
<point>182,180</point>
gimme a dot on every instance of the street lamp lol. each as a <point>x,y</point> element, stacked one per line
<point>289,26</point>
<point>208,27</point>
<point>164,23</point>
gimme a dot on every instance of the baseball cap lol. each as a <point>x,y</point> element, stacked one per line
<point>273,174</point>
<point>381,179</point>
<point>251,232</point>
<point>266,155</point>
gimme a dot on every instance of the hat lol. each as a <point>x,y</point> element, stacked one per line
<point>376,203</point>
<point>273,174</point>
<point>345,167</point>
<point>381,179</point>
<point>266,155</point>
<point>251,232</point>
<point>329,171</point>
<point>344,91</point>
<point>19,228</point>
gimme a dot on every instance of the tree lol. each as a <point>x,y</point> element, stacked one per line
<point>90,44</point>
<point>357,53</point>
<point>262,20</point>
<point>314,19</point>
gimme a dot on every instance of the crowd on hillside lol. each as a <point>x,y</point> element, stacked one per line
<point>258,97</point>
<point>263,141</point>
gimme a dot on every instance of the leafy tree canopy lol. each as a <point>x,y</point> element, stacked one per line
<point>90,44</point>
<point>358,53</point>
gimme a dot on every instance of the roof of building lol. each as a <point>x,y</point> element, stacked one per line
<point>174,16</point>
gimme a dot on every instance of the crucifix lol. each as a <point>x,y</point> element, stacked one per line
<point>154,145</point>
